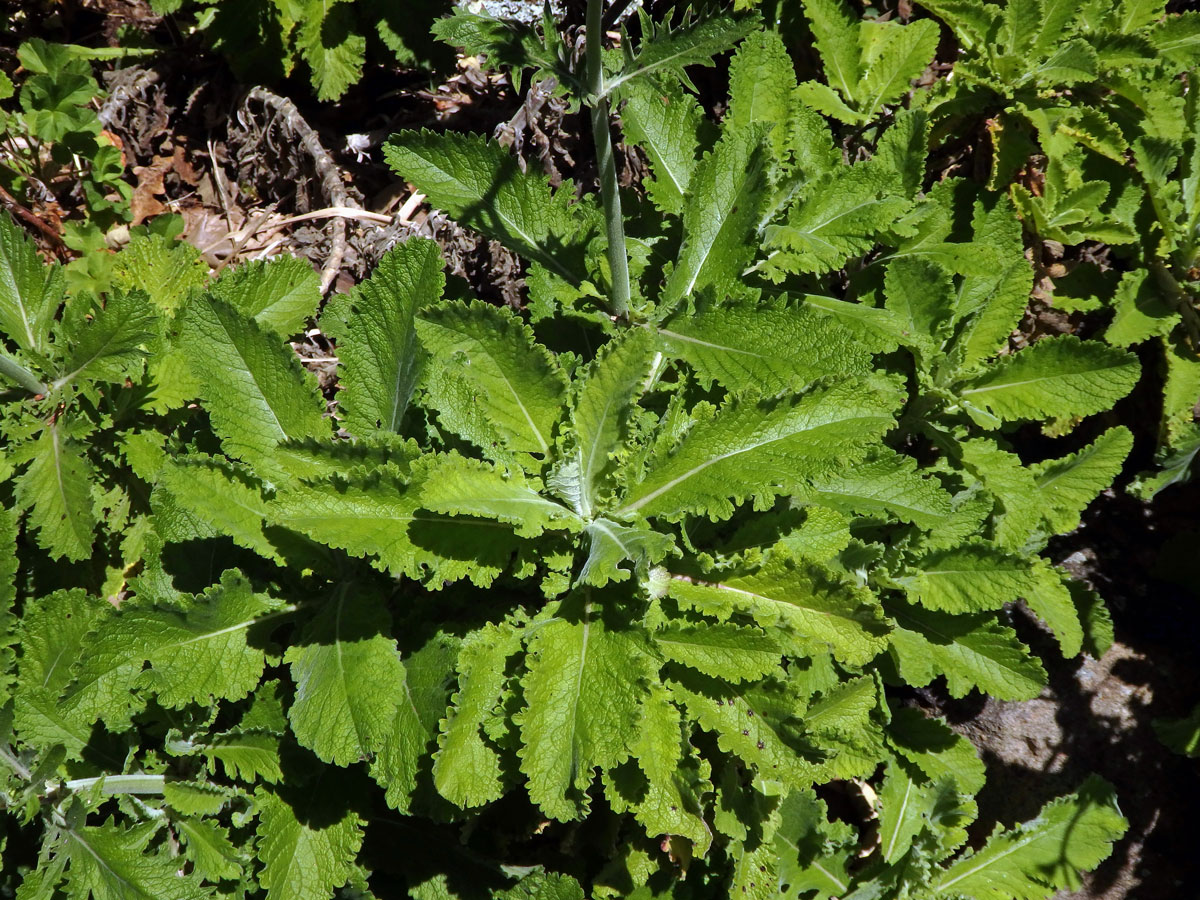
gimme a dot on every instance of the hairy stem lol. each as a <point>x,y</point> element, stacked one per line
<point>119,784</point>
<point>13,370</point>
<point>618,262</point>
<point>1179,299</point>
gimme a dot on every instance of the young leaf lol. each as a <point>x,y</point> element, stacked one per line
<point>613,544</point>
<point>720,217</point>
<point>378,355</point>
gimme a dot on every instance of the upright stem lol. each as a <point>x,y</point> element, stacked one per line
<point>618,262</point>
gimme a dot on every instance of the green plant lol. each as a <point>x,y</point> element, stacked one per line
<point>265,39</point>
<point>1093,133</point>
<point>602,599</point>
<point>55,135</point>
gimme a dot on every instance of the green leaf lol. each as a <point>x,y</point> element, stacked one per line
<point>885,483</point>
<point>812,605</point>
<point>670,803</point>
<point>835,31</point>
<point>195,653</point>
<point>720,217</point>
<point>52,634</point>
<point>893,55</point>
<point>197,496</point>
<point>1051,599</point>
<point>479,183</point>
<point>516,382</point>
<point>384,517</point>
<point>933,747</point>
<point>752,449</point>
<point>1070,835</point>
<point>456,486</point>
<point>348,676</point>
<point>108,863</point>
<point>209,849</point>
<point>601,419</point>
<point>665,121</point>
<point>333,50</point>
<point>613,543</point>
<point>402,762</point>
<point>1142,312</point>
<point>759,723</point>
<point>304,858</point>
<point>29,291</point>
<point>1055,377</point>
<point>257,394</point>
<point>762,82</point>
<point>378,355</point>
<point>694,42</point>
<point>918,294</point>
<point>281,294</point>
<point>904,805</point>
<point>971,651</point>
<point>166,270</point>
<point>113,346</point>
<point>971,578</point>
<point>1067,485</point>
<point>466,767</point>
<point>583,692</point>
<point>1181,735</point>
<point>56,489</point>
<point>838,215</point>
<point>726,651</point>
<point>763,349</point>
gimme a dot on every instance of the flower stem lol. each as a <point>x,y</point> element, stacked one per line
<point>618,262</point>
